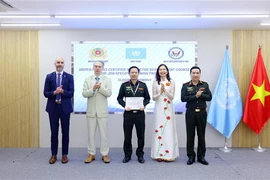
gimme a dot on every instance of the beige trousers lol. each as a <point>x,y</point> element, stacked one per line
<point>92,124</point>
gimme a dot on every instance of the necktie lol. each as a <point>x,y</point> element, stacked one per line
<point>58,96</point>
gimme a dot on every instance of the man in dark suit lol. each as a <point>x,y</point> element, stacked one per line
<point>59,89</point>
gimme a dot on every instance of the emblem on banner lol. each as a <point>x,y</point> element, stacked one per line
<point>98,53</point>
<point>135,53</point>
<point>176,53</point>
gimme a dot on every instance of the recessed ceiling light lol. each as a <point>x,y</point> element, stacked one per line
<point>162,16</point>
<point>234,16</point>
<point>86,16</point>
<point>22,16</point>
<point>26,25</point>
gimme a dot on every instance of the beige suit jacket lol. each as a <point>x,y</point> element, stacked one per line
<point>97,103</point>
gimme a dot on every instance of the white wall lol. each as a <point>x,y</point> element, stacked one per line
<point>211,47</point>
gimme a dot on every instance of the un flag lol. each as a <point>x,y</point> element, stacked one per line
<point>226,109</point>
<point>135,53</point>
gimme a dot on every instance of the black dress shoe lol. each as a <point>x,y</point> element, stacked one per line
<point>203,161</point>
<point>126,159</point>
<point>190,161</point>
<point>141,159</point>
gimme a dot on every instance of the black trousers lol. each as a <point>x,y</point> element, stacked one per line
<point>196,120</point>
<point>54,125</point>
<point>131,118</point>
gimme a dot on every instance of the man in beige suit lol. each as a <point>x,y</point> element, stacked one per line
<point>97,88</point>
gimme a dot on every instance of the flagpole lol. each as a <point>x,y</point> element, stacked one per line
<point>225,148</point>
<point>259,148</point>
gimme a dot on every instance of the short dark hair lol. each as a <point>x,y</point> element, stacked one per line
<point>194,67</point>
<point>133,67</point>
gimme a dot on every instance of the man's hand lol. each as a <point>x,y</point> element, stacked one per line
<point>58,90</point>
<point>96,86</point>
<point>199,93</point>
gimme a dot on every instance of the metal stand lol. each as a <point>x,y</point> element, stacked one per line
<point>259,148</point>
<point>225,148</point>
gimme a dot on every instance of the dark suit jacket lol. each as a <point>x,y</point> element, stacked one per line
<point>68,87</point>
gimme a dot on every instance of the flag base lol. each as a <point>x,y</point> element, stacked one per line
<point>259,149</point>
<point>225,149</point>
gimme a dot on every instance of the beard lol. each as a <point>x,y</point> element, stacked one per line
<point>59,68</point>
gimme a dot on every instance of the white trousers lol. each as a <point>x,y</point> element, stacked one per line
<point>92,124</point>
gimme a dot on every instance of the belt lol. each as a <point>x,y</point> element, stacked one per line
<point>196,109</point>
<point>133,111</point>
<point>58,102</point>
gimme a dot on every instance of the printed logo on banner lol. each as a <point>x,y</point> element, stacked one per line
<point>135,53</point>
<point>176,53</point>
<point>98,53</point>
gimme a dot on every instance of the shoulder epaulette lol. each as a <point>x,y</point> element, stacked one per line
<point>141,82</point>
<point>187,82</point>
<point>202,82</point>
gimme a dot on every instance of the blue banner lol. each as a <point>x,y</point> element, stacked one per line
<point>136,53</point>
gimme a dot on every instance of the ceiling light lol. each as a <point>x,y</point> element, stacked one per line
<point>234,16</point>
<point>265,24</point>
<point>27,25</point>
<point>22,16</point>
<point>161,16</point>
<point>86,16</point>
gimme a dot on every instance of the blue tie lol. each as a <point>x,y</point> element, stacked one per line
<point>58,96</point>
<point>97,79</point>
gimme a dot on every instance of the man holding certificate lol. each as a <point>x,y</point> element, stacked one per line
<point>133,96</point>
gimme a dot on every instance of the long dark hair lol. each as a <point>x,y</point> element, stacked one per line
<point>158,76</point>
